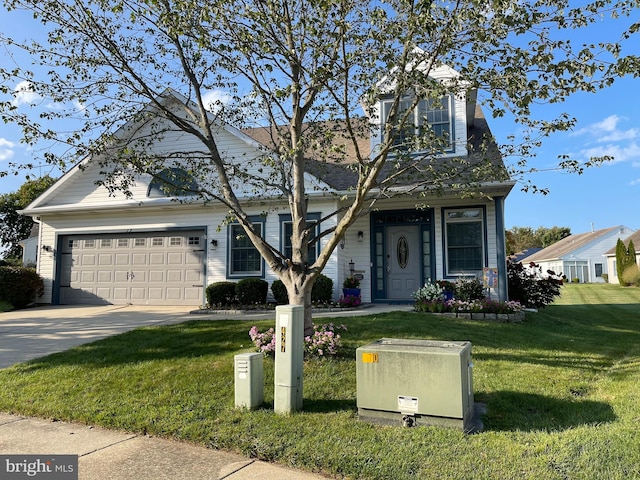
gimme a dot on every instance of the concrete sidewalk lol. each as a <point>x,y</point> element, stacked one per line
<point>106,454</point>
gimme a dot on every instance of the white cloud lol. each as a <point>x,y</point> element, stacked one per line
<point>621,153</point>
<point>24,94</point>
<point>6,149</point>
<point>608,130</point>
<point>609,124</point>
<point>214,98</point>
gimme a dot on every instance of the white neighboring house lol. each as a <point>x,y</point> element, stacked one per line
<point>30,248</point>
<point>580,256</point>
<point>147,249</point>
<point>610,256</point>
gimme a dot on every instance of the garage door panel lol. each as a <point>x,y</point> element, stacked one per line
<point>175,258</point>
<point>193,258</point>
<point>87,276</point>
<point>156,276</point>
<point>139,259</point>
<point>174,276</point>
<point>156,258</point>
<point>88,259</point>
<point>122,259</point>
<point>138,293</point>
<point>104,292</point>
<point>138,276</point>
<point>157,268</point>
<point>120,294</point>
<point>193,293</point>
<point>105,259</point>
<point>174,293</point>
<point>120,276</point>
<point>192,276</point>
<point>156,293</point>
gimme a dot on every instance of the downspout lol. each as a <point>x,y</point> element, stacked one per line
<point>501,250</point>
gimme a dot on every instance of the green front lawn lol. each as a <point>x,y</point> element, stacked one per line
<point>562,392</point>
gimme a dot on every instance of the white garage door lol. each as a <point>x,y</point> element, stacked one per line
<point>157,268</point>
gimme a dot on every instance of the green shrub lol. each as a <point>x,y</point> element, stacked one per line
<point>222,294</point>
<point>20,286</point>
<point>322,290</point>
<point>530,287</point>
<point>280,292</point>
<point>252,291</point>
<point>468,290</point>
<point>631,276</point>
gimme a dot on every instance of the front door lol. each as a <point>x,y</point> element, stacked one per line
<point>404,261</point>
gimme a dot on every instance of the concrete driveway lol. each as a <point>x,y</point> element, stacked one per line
<point>36,332</point>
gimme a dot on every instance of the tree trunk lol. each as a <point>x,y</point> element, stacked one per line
<point>300,294</point>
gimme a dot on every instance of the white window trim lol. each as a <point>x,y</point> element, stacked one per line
<point>446,221</point>
<point>418,120</point>
<point>243,274</point>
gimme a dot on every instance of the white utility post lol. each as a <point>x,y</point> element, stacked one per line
<point>289,358</point>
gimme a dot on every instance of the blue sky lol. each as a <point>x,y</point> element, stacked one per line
<point>608,124</point>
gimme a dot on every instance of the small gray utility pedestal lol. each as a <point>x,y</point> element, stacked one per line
<point>289,358</point>
<point>249,380</point>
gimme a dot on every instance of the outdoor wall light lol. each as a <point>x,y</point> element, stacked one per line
<point>342,243</point>
<point>352,267</point>
<point>360,236</point>
<point>214,244</point>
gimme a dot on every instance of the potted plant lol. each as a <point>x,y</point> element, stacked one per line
<point>448,289</point>
<point>351,286</point>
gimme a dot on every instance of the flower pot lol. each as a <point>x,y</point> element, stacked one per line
<point>355,292</point>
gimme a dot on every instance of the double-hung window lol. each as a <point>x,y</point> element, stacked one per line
<point>244,258</point>
<point>464,240</point>
<point>286,230</point>
<point>432,114</point>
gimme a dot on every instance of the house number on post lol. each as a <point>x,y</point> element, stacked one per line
<point>283,341</point>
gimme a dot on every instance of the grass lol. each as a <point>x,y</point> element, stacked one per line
<point>5,306</point>
<point>562,392</point>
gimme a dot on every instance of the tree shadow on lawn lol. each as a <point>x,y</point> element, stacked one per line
<point>518,411</point>
<point>329,406</point>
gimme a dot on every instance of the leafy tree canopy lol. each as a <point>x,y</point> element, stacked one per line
<point>521,238</point>
<point>17,227</point>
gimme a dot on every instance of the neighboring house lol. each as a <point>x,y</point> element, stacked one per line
<point>527,252</point>
<point>610,255</point>
<point>580,256</point>
<point>147,249</point>
<point>30,248</point>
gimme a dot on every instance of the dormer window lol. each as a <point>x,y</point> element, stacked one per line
<point>436,115</point>
<point>173,182</point>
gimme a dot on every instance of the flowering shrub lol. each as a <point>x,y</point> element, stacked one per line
<point>265,342</point>
<point>350,300</point>
<point>486,305</point>
<point>430,292</point>
<point>469,289</point>
<point>324,341</point>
